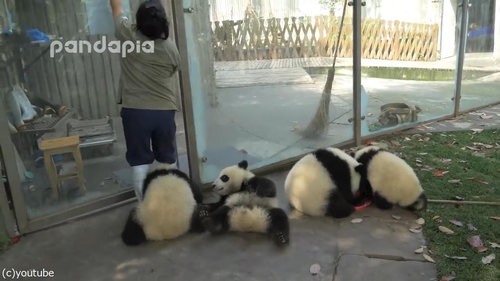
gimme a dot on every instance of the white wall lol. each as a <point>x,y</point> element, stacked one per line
<point>417,11</point>
<point>235,9</point>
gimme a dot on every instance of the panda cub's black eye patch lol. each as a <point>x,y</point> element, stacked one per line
<point>224,178</point>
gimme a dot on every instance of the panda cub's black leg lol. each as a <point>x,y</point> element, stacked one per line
<point>279,227</point>
<point>338,207</point>
<point>133,234</point>
<point>200,213</point>
<point>217,221</point>
<point>380,202</point>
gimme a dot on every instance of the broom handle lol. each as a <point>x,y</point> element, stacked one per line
<point>331,72</point>
<point>464,202</point>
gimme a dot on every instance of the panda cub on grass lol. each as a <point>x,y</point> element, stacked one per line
<point>324,183</point>
<point>389,180</point>
<point>248,204</point>
<point>170,208</point>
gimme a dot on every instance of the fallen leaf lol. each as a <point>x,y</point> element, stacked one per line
<point>495,218</point>
<point>446,161</point>
<point>449,144</point>
<point>356,220</point>
<point>457,223</point>
<point>436,217</point>
<point>475,242</point>
<point>427,139</point>
<point>477,131</point>
<point>494,245</point>
<point>447,278</point>
<point>446,230</point>
<point>455,181</point>
<point>416,229</point>
<point>486,117</point>
<point>315,269</point>
<point>428,258</point>
<point>418,160</point>
<point>480,181</point>
<point>423,153</point>
<point>396,217</point>
<point>419,250</point>
<point>395,143</point>
<point>420,221</point>
<point>488,259</point>
<point>439,173</point>
<point>456,257</point>
<point>459,198</point>
<point>487,146</point>
<point>471,227</point>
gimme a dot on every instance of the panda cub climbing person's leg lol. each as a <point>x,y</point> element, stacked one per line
<point>273,221</point>
<point>170,208</point>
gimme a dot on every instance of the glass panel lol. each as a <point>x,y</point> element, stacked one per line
<point>48,97</point>
<point>409,61</point>
<point>481,82</point>
<point>261,81</point>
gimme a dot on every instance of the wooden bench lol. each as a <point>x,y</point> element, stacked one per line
<point>55,146</point>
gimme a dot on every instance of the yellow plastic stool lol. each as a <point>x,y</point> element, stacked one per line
<point>51,147</point>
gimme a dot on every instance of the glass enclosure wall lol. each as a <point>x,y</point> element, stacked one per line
<point>409,51</point>
<point>62,107</point>
<point>257,72</point>
<point>481,81</point>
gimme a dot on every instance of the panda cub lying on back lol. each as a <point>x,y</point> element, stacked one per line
<point>169,208</point>
<point>248,204</point>
<point>237,186</point>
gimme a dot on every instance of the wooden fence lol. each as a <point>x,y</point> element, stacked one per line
<point>256,39</point>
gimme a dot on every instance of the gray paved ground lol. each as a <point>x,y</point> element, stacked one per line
<point>90,249</point>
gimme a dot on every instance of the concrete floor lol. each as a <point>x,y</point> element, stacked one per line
<point>91,249</point>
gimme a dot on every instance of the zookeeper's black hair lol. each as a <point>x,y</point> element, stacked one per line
<point>151,20</point>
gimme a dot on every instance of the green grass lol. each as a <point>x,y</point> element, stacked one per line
<point>468,166</point>
<point>4,242</point>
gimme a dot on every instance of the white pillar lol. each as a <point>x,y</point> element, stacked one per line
<point>448,29</point>
<point>496,48</point>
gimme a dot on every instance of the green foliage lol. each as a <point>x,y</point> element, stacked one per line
<point>4,241</point>
<point>474,160</point>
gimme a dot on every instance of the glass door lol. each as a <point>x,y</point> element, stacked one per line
<point>61,135</point>
<point>481,74</point>
<point>409,58</point>
<point>257,72</point>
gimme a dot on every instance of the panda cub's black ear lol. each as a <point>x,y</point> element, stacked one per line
<point>243,164</point>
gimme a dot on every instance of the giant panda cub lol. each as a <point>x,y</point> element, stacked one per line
<point>169,208</point>
<point>248,204</point>
<point>389,179</point>
<point>238,186</point>
<point>324,183</point>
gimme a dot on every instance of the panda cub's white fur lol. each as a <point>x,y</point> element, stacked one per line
<point>249,199</point>
<point>167,208</point>
<point>311,181</point>
<point>391,178</point>
<point>248,219</point>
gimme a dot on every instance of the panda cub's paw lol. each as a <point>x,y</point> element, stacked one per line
<point>281,238</point>
<point>203,213</point>
<point>211,225</point>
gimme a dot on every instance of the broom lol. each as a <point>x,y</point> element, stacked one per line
<point>319,124</point>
